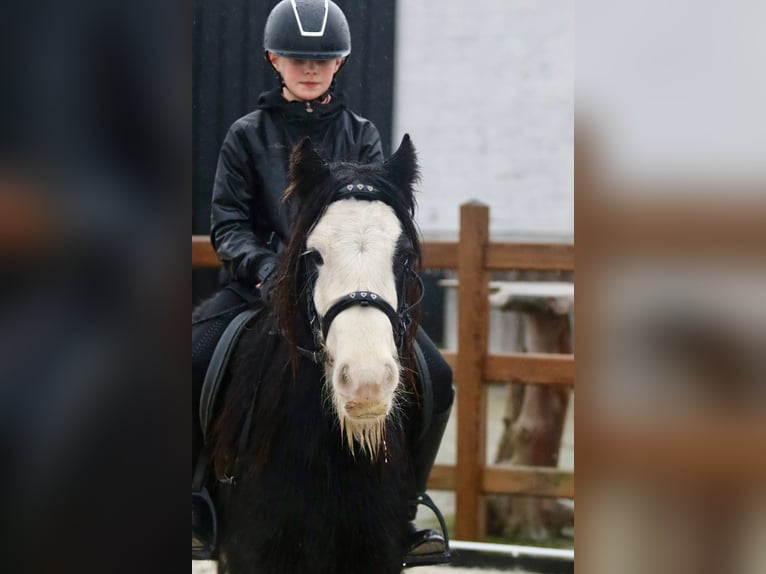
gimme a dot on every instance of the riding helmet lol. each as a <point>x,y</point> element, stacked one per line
<point>307,30</point>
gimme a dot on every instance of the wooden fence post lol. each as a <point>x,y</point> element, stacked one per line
<point>473,324</point>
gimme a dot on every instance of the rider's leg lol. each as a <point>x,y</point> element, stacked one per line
<point>425,443</point>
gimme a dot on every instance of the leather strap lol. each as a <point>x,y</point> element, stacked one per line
<point>426,389</point>
<point>217,367</point>
<point>367,192</point>
<point>200,471</point>
<point>362,299</point>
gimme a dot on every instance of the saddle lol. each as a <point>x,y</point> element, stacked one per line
<point>213,389</point>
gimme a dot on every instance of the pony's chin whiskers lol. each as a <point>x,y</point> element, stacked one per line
<point>366,435</point>
<point>328,397</point>
<point>398,402</point>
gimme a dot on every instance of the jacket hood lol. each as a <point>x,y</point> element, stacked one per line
<point>298,111</point>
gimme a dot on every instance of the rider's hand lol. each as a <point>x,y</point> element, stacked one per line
<point>267,276</point>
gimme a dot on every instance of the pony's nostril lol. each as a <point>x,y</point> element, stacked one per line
<point>344,378</point>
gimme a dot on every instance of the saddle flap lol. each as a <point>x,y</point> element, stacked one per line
<point>216,371</point>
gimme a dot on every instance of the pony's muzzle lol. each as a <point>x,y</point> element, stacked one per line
<point>366,392</point>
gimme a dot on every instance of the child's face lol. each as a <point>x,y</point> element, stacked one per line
<point>305,79</point>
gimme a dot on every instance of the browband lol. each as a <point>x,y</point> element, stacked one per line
<point>366,192</point>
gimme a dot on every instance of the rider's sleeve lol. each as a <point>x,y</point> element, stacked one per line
<point>244,256</point>
<point>371,149</point>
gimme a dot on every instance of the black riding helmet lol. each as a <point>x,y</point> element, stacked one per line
<point>307,30</point>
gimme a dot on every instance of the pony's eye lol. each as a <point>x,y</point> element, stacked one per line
<point>312,259</point>
<point>316,258</point>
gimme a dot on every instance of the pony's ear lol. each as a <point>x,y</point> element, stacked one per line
<point>307,169</point>
<point>402,166</point>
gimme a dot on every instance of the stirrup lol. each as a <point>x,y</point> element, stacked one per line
<point>204,551</point>
<point>414,560</point>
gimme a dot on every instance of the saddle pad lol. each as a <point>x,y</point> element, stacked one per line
<point>218,366</point>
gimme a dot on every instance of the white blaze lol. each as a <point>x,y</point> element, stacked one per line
<point>357,241</point>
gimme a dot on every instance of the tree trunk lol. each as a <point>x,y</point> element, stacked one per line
<point>534,424</point>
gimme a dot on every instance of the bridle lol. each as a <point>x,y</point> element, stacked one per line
<point>400,318</point>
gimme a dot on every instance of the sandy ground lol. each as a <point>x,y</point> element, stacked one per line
<point>496,399</point>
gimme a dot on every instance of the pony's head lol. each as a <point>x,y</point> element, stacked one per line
<point>350,266</point>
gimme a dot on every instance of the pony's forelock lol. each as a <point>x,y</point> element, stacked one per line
<point>306,202</point>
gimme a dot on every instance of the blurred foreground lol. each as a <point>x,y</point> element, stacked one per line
<point>671,260</point>
<point>670,211</point>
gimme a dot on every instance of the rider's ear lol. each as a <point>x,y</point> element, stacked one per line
<point>307,169</point>
<point>402,167</point>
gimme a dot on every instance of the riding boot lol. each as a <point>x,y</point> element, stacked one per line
<point>426,544</point>
<point>204,527</point>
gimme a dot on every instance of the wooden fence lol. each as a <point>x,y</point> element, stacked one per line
<point>474,257</point>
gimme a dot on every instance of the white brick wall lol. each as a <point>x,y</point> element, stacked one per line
<point>485,89</point>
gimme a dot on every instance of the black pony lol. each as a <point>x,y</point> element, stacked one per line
<point>322,382</point>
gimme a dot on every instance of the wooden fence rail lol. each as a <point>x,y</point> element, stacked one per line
<point>474,257</point>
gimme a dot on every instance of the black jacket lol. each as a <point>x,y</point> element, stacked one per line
<point>247,221</point>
